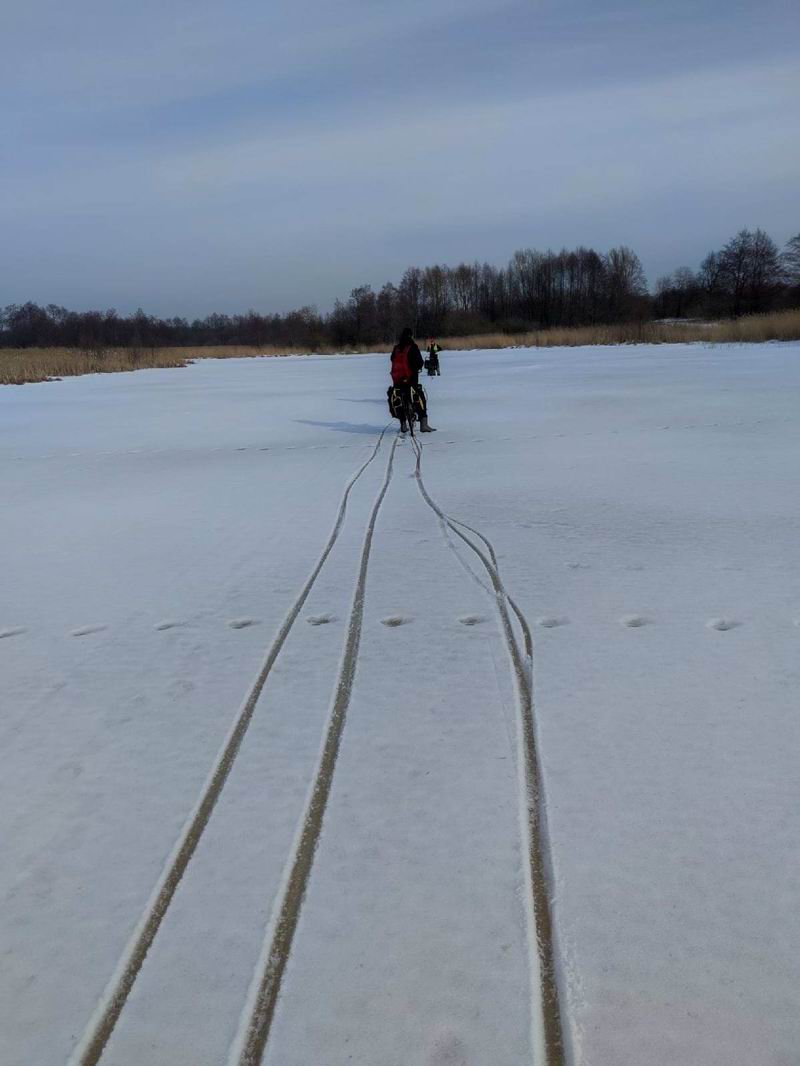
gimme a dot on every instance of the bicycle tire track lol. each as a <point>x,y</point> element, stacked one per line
<point>523,622</point>
<point>527,636</point>
<point>538,868</point>
<point>251,1040</point>
<point>102,1023</point>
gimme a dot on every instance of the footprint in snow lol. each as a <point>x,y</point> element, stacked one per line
<point>15,631</point>
<point>448,1049</point>
<point>85,631</point>
<point>242,623</point>
<point>395,620</point>
<point>320,619</point>
<point>180,687</point>
<point>722,625</point>
<point>552,623</point>
<point>634,621</point>
<point>472,619</point>
<point>168,623</point>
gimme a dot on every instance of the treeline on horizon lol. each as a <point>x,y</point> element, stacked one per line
<point>537,290</point>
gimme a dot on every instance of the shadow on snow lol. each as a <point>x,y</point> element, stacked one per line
<point>342,427</point>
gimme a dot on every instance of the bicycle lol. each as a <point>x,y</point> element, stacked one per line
<point>409,412</point>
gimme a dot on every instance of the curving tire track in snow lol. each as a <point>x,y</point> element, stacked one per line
<point>259,1011</point>
<point>523,622</point>
<point>547,1030</point>
<point>89,1050</point>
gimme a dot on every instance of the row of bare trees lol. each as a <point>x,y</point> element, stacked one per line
<point>535,290</point>
<point>749,275</point>
<point>29,325</point>
<point>577,287</point>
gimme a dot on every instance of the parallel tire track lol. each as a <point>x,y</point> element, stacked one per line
<point>106,1015</point>
<point>248,1047</point>
<point>523,621</point>
<point>538,868</point>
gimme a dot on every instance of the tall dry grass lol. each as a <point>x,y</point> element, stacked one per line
<point>752,329</point>
<point>20,365</point>
<point>774,326</point>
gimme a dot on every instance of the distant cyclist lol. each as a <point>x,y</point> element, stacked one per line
<point>406,363</point>
<point>432,361</point>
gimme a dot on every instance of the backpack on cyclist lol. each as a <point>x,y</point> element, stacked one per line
<point>401,368</point>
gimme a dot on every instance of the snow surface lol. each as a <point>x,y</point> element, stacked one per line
<point>156,529</point>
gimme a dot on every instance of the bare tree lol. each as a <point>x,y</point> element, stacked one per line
<point>791,260</point>
<point>435,298</point>
<point>463,287</point>
<point>410,297</point>
<point>388,312</point>
<point>750,269</point>
<point>626,284</point>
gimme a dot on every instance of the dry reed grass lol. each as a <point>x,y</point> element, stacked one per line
<point>775,326</point>
<point>19,365</point>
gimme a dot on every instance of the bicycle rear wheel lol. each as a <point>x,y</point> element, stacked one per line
<point>408,411</point>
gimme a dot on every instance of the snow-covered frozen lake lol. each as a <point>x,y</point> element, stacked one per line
<point>157,530</point>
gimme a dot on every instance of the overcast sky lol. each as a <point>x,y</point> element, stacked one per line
<point>189,156</point>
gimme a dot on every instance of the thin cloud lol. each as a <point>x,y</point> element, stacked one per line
<point>274,155</point>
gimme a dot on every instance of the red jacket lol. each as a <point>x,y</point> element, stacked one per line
<point>414,360</point>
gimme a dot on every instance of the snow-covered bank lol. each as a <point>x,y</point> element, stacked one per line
<point>156,529</point>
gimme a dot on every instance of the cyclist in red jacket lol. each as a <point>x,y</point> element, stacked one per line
<point>406,363</point>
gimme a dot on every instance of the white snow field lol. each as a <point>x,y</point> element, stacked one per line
<point>167,900</point>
